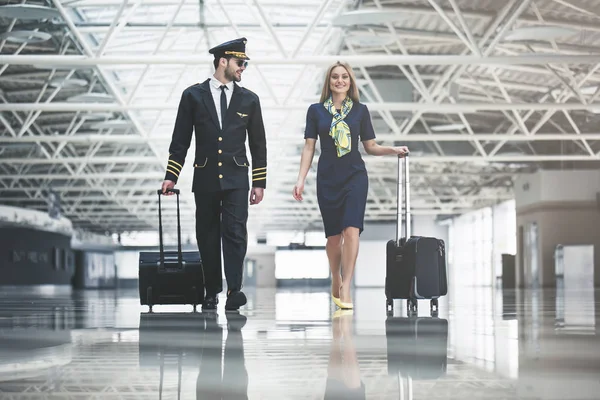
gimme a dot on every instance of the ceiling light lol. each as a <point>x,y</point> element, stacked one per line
<point>68,82</point>
<point>112,124</point>
<point>589,90</point>
<point>91,98</point>
<point>26,11</point>
<point>96,116</point>
<point>365,39</point>
<point>586,91</point>
<point>25,36</point>
<point>369,17</point>
<point>539,33</point>
<point>449,127</point>
<point>60,66</point>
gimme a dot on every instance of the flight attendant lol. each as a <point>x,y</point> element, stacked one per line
<point>340,121</point>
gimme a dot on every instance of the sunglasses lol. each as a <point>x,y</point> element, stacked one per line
<point>241,63</point>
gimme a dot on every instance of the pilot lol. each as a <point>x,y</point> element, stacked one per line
<point>222,114</point>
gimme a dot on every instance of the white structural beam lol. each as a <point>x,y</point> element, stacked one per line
<point>365,60</point>
<point>150,216</point>
<point>437,108</point>
<point>413,137</point>
<point>96,202</point>
<point>151,188</point>
<point>85,160</point>
<point>420,159</point>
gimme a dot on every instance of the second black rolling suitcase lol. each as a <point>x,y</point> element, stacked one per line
<point>415,265</point>
<point>170,277</point>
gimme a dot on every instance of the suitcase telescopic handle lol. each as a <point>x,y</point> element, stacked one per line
<point>160,230</point>
<point>173,190</point>
<point>403,192</point>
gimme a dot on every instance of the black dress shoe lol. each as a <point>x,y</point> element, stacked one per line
<point>235,299</point>
<point>210,303</point>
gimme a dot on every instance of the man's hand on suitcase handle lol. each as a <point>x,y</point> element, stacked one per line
<point>401,151</point>
<point>167,188</point>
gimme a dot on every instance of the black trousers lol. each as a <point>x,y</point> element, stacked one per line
<point>221,218</point>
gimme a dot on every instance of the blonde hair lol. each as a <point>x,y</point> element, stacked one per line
<point>352,92</point>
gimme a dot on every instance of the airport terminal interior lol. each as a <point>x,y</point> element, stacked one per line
<point>497,102</point>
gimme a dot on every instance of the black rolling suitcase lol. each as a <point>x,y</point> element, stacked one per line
<point>415,265</point>
<point>170,277</point>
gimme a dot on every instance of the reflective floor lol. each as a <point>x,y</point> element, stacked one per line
<point>292,344</point>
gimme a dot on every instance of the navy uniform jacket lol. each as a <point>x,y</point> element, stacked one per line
<point>220,161</point>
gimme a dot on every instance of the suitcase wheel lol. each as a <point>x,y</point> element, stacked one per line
<point>149,297</point>
<point>196,298</point>
<point>411,306</point>
<point>434,307</point>
<point>389,306</point>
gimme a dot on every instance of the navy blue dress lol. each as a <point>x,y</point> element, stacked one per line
<point>342,182</point>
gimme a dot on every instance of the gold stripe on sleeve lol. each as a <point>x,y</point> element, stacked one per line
<point>173,172</point>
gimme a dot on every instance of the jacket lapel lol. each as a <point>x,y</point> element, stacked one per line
<point>209,102</point>
<point>234,105</point>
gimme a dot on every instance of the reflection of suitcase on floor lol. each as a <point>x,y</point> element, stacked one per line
<point>406,393</point>
<point>417,347</point>
<point>415,265</point>
<point>171,341</point>
<point>170,334</point>
<point>170,277</point>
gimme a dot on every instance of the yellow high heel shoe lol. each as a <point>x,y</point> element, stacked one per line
<point>342,305</point>
<point>335,299</point>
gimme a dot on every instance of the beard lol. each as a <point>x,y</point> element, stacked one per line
<point>231,76</point>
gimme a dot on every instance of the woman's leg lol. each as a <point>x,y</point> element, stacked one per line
<point>349,254</point>
<point>334,254</point>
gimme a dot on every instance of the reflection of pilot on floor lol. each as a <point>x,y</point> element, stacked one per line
<point>343,372</point>
<point>234,382</point>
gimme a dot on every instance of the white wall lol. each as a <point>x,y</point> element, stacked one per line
<point>565,211</point>
<point>264,256</point>
<point>370,264</point>
<point>504,233</point>
<point>470,253</point>
<point>477,241</point>
<point>556,185</point>
<point>128,262</point>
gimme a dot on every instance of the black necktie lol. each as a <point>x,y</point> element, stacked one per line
<point>223,105</point>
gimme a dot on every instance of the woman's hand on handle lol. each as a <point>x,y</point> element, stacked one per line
<point>374,149</point>
<point>402,151</point>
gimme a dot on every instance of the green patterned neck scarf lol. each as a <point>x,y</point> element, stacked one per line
<point>339,130</point>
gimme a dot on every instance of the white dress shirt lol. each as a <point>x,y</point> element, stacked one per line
<point>215,88</point>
